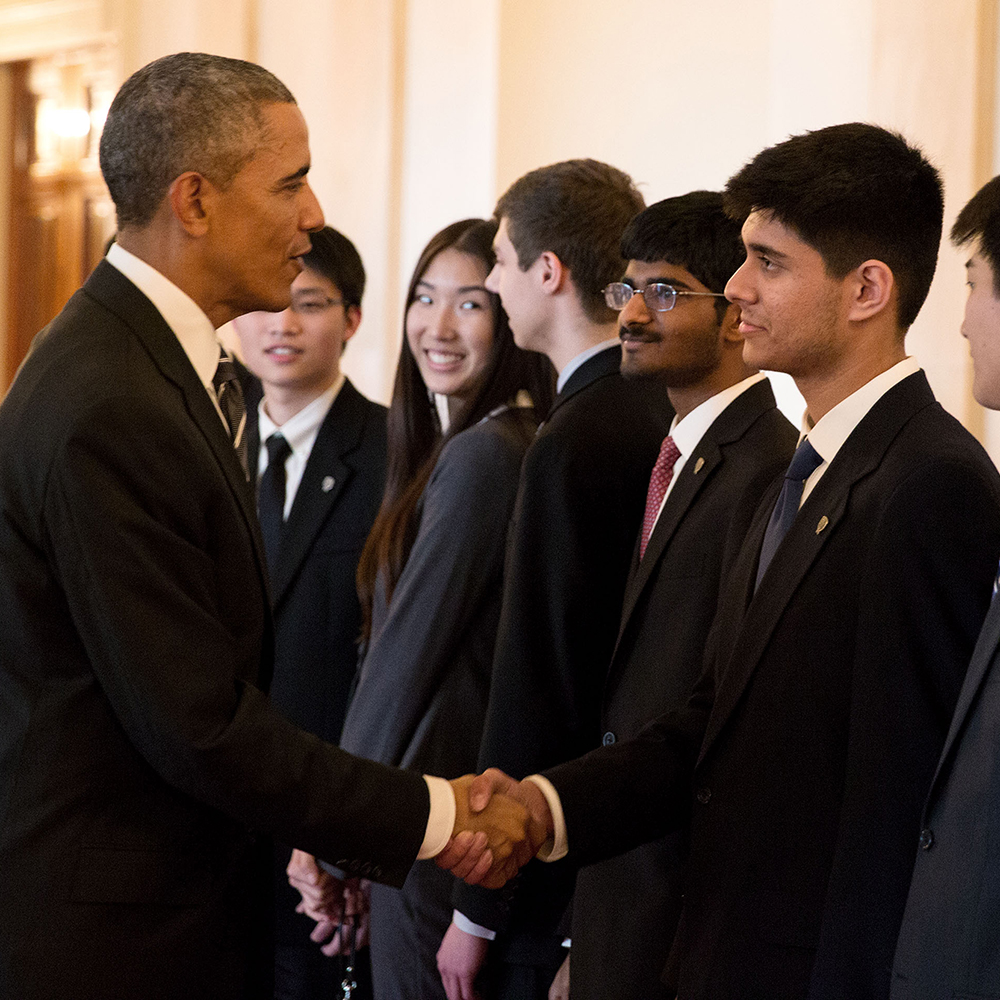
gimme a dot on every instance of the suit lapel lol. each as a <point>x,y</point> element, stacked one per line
<point>814,526</point>
<point>604,363</point>
<point>118,295</point>
<point>325,476</point>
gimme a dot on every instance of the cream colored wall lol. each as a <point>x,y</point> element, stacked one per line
<point>422,111</point>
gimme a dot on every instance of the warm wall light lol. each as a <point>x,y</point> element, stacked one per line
<point>70,123</point>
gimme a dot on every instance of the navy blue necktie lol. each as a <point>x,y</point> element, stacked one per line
<point>271,497</point>
<point>804,463</point>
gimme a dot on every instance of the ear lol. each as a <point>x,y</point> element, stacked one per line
<point>871,288</point>
<point>189,196</point>
<point>730,326</point>
<point>353,322</point>
<point>554,274</point>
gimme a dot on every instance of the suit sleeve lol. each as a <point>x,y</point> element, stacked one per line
<point>135,516</point>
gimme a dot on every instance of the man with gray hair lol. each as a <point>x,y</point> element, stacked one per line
<point>139,759</point>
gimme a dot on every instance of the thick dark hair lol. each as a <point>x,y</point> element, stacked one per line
<point>415,439</point>
<point>577,210</point>
<point>980,220</point>
<point>335,257</point>
<point>691,231</point>
<point>187,111</point>
<point>853,192</point>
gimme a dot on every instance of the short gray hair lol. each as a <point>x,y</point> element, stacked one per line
<point>187,111</point>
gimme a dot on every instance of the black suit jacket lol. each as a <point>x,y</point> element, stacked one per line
<point>625,909</point>
<point>582,493</point>
<point>804,756</point>
<point>137,752</point>
<point>317,616</point>
<point>948,945</point>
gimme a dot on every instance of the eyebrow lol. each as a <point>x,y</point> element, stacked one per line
<point>463,289</point>
<point>767,251</point>
<point>298,175</point>
<point>672,282</point>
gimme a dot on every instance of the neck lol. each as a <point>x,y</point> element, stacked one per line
<point>684,399</point>
<point>573,339</point>
<point>823,392</point>
<point>281,403</point>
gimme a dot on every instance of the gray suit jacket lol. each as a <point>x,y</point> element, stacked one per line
<point>949,941</point>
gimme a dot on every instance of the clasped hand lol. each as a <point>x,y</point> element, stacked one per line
<point>500,825</point>
<point>330,901</point>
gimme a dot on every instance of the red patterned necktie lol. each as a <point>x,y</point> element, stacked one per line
<point>663,472</point>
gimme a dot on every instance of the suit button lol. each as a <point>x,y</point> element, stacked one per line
<point>609,738</point>
<point>926,841</point>
<point>704,795</point>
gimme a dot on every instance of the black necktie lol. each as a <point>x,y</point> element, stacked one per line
<point>271,496</point>
<point>229,393</point>
<point>804,462</point>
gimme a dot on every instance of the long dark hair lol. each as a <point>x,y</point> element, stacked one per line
<point>415,440</point>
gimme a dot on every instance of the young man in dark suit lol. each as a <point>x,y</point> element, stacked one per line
<point>843,633</point>
<point>948,944</point>
<point>140,761</point>
<point>581,495</point>
<point>727,444</point>
<point>317,502</point>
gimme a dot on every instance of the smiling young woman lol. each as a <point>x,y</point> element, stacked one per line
<point>431,575</point>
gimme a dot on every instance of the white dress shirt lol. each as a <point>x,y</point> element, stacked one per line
<point>300,431</point>
<point>197,337</point>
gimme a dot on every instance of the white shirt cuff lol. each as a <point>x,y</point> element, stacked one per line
<point>558,846</point>
<point>463,923</point>
<point>441,821</point>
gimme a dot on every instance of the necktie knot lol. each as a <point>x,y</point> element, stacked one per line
<point>804,463</point>
<point>278,449</point>
<point>663,472</point>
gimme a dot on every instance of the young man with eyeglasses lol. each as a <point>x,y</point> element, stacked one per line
<point>580,499</point>
<point>727,444</point>
<point>331,475</point>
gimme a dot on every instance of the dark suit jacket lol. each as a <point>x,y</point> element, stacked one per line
<point>948,943</point>
<point>582,493</point>
<point>317,617</point>
<point>805,754</point>
<point>137,751</point>
<point>625,909</point>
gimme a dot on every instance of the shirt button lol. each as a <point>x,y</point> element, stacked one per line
<point>704,795</point>
<point>609,738</point>
<point>926,840</point>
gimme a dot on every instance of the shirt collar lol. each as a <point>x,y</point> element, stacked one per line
<point>299,429</point>
<point>183,315</point>
<point>689,430</point>
<point>830,432</point>
<point>583,356</point>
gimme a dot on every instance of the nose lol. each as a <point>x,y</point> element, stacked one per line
<point>737,287</point>
<point>311,215</point>
<point>287,321</point>
<point>635,311</point>
<point>492,282</point>
<point>442,324</point>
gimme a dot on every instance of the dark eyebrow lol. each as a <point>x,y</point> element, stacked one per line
<point>763,248</point>
<point>298,175</point>
<point>672,282</point>
<point>465,289</point>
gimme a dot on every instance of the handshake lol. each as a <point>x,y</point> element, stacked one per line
<point>500,825</point>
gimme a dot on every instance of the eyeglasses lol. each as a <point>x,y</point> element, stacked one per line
<point>313,305</point>
<point>658,296</point>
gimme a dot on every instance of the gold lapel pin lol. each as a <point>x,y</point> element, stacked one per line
<point>328,483</point>
<point>699,465</point>
<point>823,522</point>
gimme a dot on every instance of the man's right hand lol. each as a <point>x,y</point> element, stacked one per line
<point>495,835</point>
